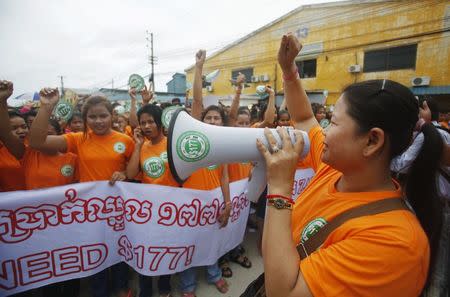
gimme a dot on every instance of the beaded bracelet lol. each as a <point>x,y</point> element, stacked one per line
<point>272,196</point>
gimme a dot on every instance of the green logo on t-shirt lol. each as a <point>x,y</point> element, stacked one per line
<point>312,228</point>
<point>119,147</point>
<point>67,170</point>
<point>154,167</point>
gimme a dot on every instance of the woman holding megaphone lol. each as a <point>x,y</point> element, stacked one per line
<point>351,232</point>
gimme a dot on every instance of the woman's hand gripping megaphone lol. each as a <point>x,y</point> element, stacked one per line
<point>281,161</point>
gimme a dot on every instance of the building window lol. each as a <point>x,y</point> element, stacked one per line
<point>402,57</point>
<point>248,72</point>
<point>307,68</point>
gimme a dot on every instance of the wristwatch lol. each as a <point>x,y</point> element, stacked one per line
<point>280,203</point>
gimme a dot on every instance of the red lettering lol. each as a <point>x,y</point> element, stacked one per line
<point>8,275</point>
<point>139,252</point>
<point>158,254</point>
<point>34,268</point>
<point>66,261</point>
<point>92,256</point>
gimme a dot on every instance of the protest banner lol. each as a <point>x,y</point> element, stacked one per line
<point>73,231</point>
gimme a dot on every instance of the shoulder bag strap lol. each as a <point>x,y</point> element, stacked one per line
<point>306,248</point>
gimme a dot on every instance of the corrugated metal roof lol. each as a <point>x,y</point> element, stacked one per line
<point>292,12</point>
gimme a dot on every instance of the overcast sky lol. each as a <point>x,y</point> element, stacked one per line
<point>93,42</point>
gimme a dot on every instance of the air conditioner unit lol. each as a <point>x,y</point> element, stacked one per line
<point>420,81</point>
<point>209,88</point>
<point>264,77</point>
<point>254,78</point>
<point>354,68</point>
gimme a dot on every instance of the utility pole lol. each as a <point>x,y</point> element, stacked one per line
<point>151,59</point>
<point>62,85</point>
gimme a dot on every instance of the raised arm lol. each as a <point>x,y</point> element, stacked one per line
<point>133,164</point>
<point>237,97</point>
<point>197,103</point>
<point>12,143</point>
<point>225,186</point>
<point>133,112</point>
<point>147,96</point>
<point>283,276</point>
<point>269,115</point>
<point>283,104</point>
<point>296,99</point>
<point>38,133</point>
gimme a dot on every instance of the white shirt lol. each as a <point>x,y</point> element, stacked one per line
<point>403,162</point>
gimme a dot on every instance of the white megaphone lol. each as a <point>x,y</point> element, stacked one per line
<point>192,145</point>
<point>212,76</point>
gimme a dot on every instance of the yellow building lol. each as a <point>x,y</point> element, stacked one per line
<point>345,42</point>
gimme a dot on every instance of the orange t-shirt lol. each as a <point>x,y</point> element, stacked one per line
<point>379,255</point>
<point>43,171</point>
<point>99,156</point>
<point>129,131</point>
<point>238,171</point>
<point>12,175</point>
<point>154,165</point>
<point>206,179</point>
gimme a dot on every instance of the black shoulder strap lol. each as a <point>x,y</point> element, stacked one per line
<point>306,248</point>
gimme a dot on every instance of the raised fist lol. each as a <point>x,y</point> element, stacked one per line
<point>289,49</point>
<point>49,96</point>
<point>200,57</point>
<point>6,90</point>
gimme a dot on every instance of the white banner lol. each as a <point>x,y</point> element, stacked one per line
<point>73,231</point>
<point>301,180</point>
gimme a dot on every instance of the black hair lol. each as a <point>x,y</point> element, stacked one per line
<point>154,111</point>
<point>434,107</point>
<point>54,122</point>
<point>114,105</point>
<point>219,110</point>
<point>76,114</point>
<point>164,105</point>
<point>31,113</point>
<point>15,114</point>
<point>283,111</point>
<point>262,111</point>
<point>393,108</point>
<point>243,110</point>
<point>316,107</point>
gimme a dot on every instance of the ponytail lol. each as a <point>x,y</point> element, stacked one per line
<point>421,187</point>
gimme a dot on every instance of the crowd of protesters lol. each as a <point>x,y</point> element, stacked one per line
<point>380,142</point>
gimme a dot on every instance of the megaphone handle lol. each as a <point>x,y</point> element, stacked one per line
<point>293,140</point>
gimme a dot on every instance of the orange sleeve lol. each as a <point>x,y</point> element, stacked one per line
<point>72,140</point>
<point>316,138</point>
<point>357,266</point>
<point>129,131</point>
